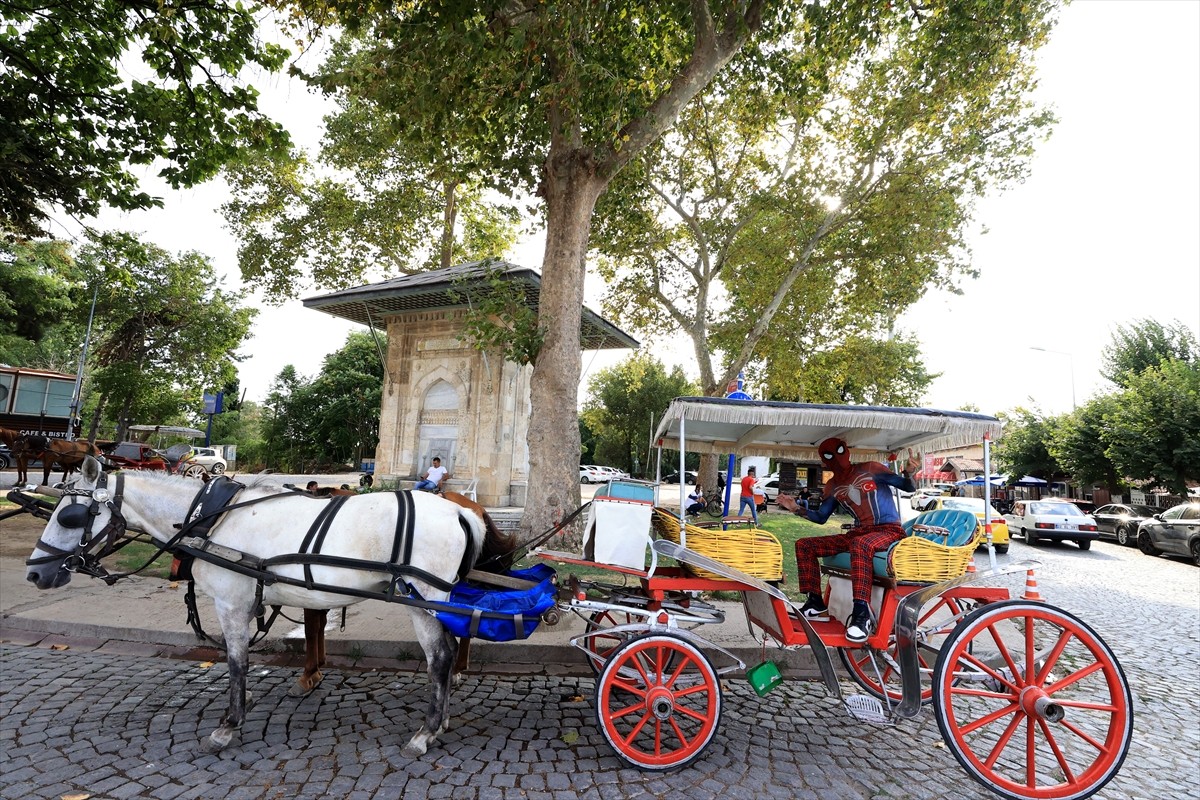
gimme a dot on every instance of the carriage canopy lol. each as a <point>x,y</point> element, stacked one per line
<point>793,430</point>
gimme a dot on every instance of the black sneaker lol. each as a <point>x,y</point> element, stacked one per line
<point>814,608</point>
<point>859,627</point>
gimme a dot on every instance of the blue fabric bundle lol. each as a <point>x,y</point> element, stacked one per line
<point>495,614</point>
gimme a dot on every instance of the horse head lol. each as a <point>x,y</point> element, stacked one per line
<point>84,523</point>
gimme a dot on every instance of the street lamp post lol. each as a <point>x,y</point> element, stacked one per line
<point>1070,364</point>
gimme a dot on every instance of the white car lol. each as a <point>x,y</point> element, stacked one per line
<point>1051,519</point>
<point>922,499</point>
<point>207,457</point>
<point>589,473</point>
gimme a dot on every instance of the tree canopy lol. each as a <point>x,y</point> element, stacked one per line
<point>621,406</point>
<point>560,98</point>
<point>90,89</point>
<point>1147,343</point>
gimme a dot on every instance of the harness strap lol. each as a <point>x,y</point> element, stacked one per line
<point>317,532</point>
<point>402,542</point>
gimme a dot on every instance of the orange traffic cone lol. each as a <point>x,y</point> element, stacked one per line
<point>1031,592</point>
<point>971,566</point>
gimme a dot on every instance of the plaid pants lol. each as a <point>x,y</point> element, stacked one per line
<point>862,544</point>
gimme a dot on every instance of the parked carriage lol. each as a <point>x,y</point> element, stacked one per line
<point>1029,699</point>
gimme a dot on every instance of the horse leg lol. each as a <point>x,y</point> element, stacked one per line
<point>440,648</point>
<point>314,652</point>
<point>235,625</point>
<point>463,662</point>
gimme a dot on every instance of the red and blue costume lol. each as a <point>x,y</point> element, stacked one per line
<point>861,489</point>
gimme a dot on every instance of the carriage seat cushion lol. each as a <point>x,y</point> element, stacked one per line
<point>961,525</point>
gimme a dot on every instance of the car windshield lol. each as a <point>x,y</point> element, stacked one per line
<point>1060,509</point>
<point>972,504</point>
<point>1141,511</point>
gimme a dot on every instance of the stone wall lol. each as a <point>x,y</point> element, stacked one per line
<point>443,397</point>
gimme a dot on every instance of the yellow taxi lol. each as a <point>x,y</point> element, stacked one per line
<point>975,506</point>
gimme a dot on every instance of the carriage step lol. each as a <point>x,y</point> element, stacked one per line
<point>865,708</point>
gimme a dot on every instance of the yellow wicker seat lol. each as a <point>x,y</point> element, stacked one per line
<point>750,550</point>
<point>939,546</point>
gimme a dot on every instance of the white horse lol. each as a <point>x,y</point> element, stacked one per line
<point>445,541</point>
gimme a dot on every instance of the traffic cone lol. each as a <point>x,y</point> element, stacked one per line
<point>1031,592</point>
<point>971,566</point>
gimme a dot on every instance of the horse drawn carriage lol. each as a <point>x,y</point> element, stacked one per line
<point>1028,698</point>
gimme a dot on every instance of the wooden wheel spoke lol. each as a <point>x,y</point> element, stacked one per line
<point>1058,753</point>
<point>1003,740</point>
<point>988,719</point>
<point>627,710</point>
<point>633,689</point>
<point>1074,677</point>
<point>1052,657</point>
<point>641,723</point>
<point>982,667</point>
<point>1087,737</point>
<point>683,739</point>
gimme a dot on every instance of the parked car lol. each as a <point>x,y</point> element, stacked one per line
<point>975,506</point>
<point>689,476</point>
<point>1119,521</point>
<point>591,474</point>
<point>207,457</point>
<point>5,457</point>
<point>1175,531</point>
<point>922,499</point>
<point>1051,519</point>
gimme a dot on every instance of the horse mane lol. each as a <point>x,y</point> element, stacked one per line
<point>499,548</point>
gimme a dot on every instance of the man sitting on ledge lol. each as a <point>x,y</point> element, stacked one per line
<point>861,489</point>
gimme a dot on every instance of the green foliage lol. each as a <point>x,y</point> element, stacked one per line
<point>1145,344</point>
<point>1081,439</point>
<point>622,405</point>
<point>163,333</point>
<point>1024,448</point>
<point>89,89</point>
<point>499,318</point>
<point>1154,426</point>
<point>821,214</point>
<point>332,419</point>
<point>40,292</point>
<point>856,369</point>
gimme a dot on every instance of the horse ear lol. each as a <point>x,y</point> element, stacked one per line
<point>90,471</point>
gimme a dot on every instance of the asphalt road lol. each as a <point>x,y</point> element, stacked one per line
<point>119,725</point>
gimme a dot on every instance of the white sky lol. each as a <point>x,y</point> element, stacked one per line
<point>1105,231</point>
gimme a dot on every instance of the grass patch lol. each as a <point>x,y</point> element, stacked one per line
<point>133,555</point>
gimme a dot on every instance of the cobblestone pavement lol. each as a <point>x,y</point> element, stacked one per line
<point>120,726</point>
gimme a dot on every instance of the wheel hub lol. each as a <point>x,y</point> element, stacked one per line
<point>1036,703</point>
<point>661,703</point>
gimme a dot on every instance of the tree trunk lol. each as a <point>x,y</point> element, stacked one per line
<point>570,189</point>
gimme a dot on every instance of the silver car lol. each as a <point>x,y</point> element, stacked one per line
<point>1175,531</point>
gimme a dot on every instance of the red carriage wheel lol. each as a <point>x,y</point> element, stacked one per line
<point>1032,702</point>
<point>658,701</point>
<point>601,645</point>
<point>878,672</point>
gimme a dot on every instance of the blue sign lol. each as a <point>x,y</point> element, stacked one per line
<point>214,403</point>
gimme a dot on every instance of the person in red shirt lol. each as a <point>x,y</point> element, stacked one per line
<point>748,483</point>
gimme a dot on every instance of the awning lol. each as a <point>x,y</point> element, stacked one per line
<point>996,480</point>
<point>1029,480</point>
<point>933,475</point>
<point>793,430</point>
<point>167,430</point>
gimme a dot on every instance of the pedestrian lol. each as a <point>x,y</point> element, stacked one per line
<point>696,502</point>
<point>749,484</point>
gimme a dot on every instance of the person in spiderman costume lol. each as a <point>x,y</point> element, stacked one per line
<point>862,489</point>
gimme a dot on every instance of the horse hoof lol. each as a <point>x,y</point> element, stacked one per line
<point>413,750</point>
<point>217,741</point>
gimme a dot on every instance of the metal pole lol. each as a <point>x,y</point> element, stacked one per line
<point>987,497</point>
<point>79,372</point>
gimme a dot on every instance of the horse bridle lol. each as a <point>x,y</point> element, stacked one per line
<point>83,515</point>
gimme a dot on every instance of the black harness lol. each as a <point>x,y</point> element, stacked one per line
<point>86,556</point>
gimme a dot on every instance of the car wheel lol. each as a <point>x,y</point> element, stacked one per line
<point>584,479</point>
<point>1001,548</point>
<point>1030,537</point>
<point>1147,546</point>
<point>1195,548</point>
<point>3,462</point>
<point>217,469</point>
<point>1126,536</point>
<point>1084,544</point>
